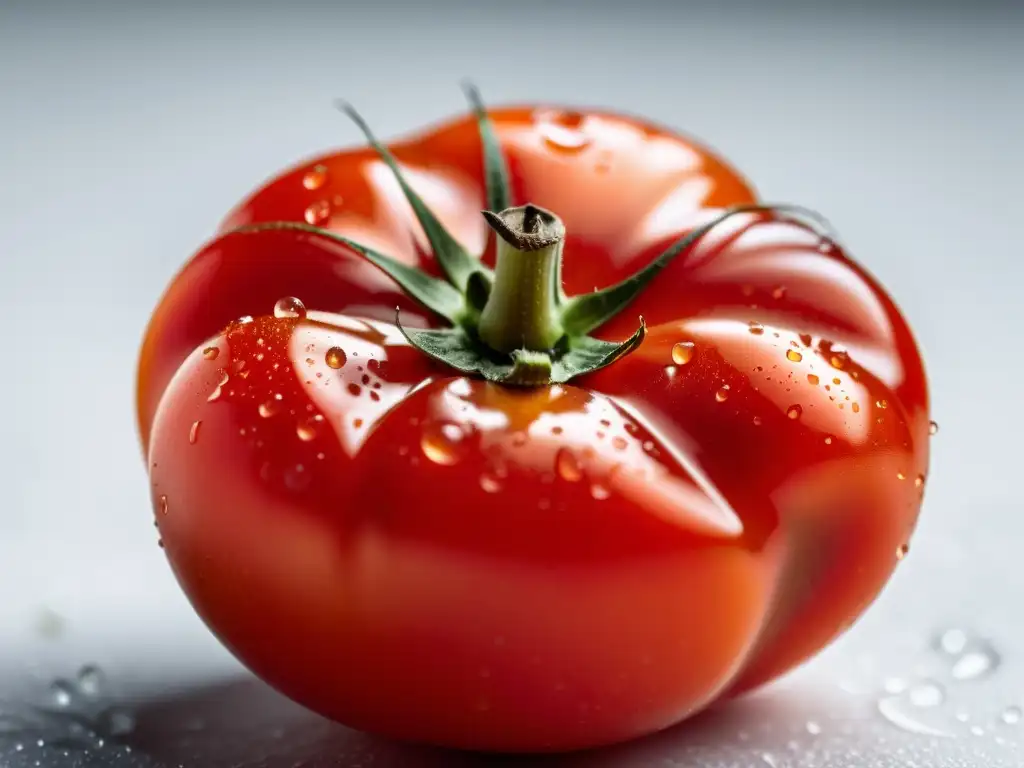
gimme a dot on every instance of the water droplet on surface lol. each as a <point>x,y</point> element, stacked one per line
<point>442,443</point>
<point>211,353</point>
<point>599,491</point>
<point>794,412</point>
<point>902,550</point>
<point>1011,715</point>
<point>813,728</point>
<point>779,292</point>
<point>193,433</point>
<point>163,505</point>
<point>812,379</point>
<point>793,356</point>
<point>919,481</point>
<point>806,338</point>
<point>562,131</point>
<point>270,408</point>
<point>289,306</point>
<point>828,440</point>
<point>116,721</point>
<point>682,353</point>
<point>855,407</point>
<point>826,244</point>
<point>318,213</point>
<point>838,360</point>
<point>306,431</point>
<point>978,660</point>
<point>894,685</point>
<point>315,178</point>
<point>894,709</point>
<point>62,693</point>
<point>490,483</point>
<point>977,730</point>
<point>901,476</point>
<point>619,443</point>
<point>883,404</point>
<point>90,680</point>
<point>933,428</point>
<point>567,465</point>
<point>768,759</point>
<point>335,357</point>
<point>755,328</point>
<point>757,421</point>
<point>926,694</point>
<point>953,641</point>
<point>722,394</point>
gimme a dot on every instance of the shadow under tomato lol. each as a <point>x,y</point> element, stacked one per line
<point>246,723</point>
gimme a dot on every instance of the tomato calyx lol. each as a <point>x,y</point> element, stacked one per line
<point>513,325</point>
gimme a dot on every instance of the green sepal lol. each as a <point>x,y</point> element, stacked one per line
<point>455,262</point>
<point>457,349</point>
<point>499,195</point>
<point>434,294</point>
<point>582,314</point>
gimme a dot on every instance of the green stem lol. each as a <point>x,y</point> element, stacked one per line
<point>522,311</point>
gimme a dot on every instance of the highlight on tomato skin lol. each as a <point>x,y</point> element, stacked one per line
<point>411,532</point>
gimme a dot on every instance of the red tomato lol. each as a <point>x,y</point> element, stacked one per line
<point>435,557</point>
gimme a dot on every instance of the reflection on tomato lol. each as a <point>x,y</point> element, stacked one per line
<point>432,556</point>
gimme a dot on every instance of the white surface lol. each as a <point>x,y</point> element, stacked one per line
<point>127,132</point>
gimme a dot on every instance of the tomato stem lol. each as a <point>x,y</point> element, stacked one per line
<point>522,311</point>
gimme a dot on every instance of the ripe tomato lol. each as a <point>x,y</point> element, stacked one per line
<point>440,557</point>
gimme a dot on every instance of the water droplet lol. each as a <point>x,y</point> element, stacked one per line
<point>722,394</point>
<point>883,404</point>
<point>902,551</point>
<point>289,306</point>
<point>335,357</point>
<point>315,178</point>
<point>894,685</point>
<point>219,389</point>
<point>933,428</point>
<point>794,412</point>
<point>806,338</point>
<point>271,407</point>
<point>62,692</point>
<point>682,353</point>
<point>489,483</point>
<point>977,730</point>
<point>855,407</point>
<point>562,131</point>
<point>926,694</point>
<point>163,505</point>
<point>768,759</point>
<point>757,421</point>
<point>812,379</point>
<point>116,721</point>
<point>619,443</point>
<point>1011,715</point>
<point>893,709</point>
<point>901,476</point>
<point>211,353</point>
<point>306,430</point>
<point>19,747</point>
<point>567,465</point>
<point>442,443</point>
<point>977,661</point>
<point>813,728</point>
<point>90,680</point>
<point>793,356</point>
<point>193,433</point>
<point>600,492</point>
<point>919,481</point>
<point>755,328</point>
<point>318,213</point>
<point>838,360</point>
<point>828,440</point>
<point>354,389</point>
<point>953,641</point>
<point>779,292</point>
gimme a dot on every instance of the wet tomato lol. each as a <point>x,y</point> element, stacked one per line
<point>512,515</point>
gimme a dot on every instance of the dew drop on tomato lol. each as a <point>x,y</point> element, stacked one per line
<point>933,428</point>
<point>306,431</point>
<point>682,353</point>
<point>756,328</point>
<point>812,379</point>
<point>490,483</point>
<point>600,492</point>
<point>794,412</point>
<point>335,357</point>
<point>793,356</point>
<point>567,465</point>
<point>563,131</point>
<point>442,443</point>
<point>270,407</point>
<point>211,353</point>
<point>315,178</point>
<point>722,394</point>
<point>193,433</point>
<point>902,551</point>
<point>289,306</point>
<point>318,213</point>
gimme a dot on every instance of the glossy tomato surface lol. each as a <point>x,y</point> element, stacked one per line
<point>434,557</point>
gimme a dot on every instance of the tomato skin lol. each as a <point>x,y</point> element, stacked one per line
<point>440,559</point>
